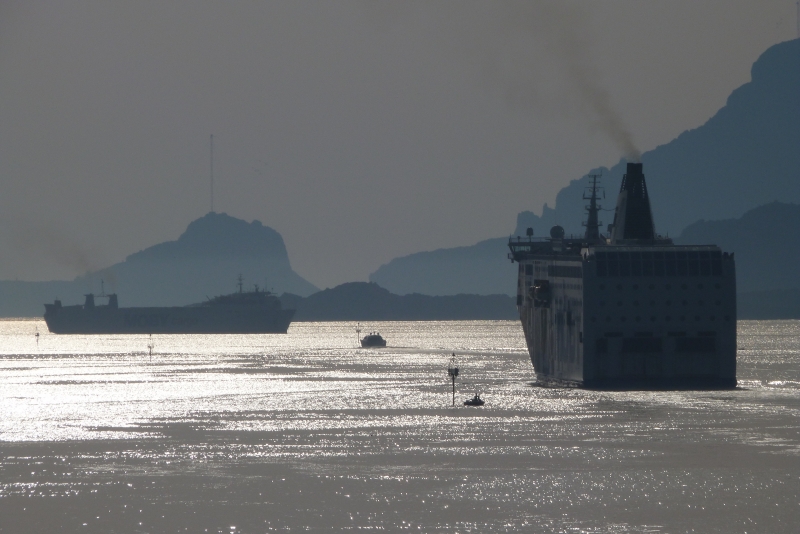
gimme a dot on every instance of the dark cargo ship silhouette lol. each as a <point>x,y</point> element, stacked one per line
<point>245,312</point>
<point>630,309</point>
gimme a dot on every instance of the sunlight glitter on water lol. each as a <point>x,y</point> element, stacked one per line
<point>289,415</point>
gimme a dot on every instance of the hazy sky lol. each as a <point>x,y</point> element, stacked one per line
<point>359,130</point>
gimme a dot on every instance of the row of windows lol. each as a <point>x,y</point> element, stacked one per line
<point>565,271</point>
<point>673,333</point>
<point>666,303</point>
<point>649,345</point>
<point>652,287</point>
<point>659,263</point>
<point>653,318</point>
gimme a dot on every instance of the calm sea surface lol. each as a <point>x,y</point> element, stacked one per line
<point>306,432</point>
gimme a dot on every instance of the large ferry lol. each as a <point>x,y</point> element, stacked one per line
<point>245,312</point>
<point>629,309</point>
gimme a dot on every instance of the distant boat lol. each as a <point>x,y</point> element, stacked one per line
<point>374,339</point>
<point>474,401</point>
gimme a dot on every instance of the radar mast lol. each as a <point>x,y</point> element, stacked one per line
<point>592,223</point>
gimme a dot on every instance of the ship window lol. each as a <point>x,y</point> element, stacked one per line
<point>658,263</point>
<point>641,344</point>
<point>647,263</point>
<point>669,263</point>
<point>624,264</point>
<point>613,264</point>
<point>693,259</point>
<point>682,263</point>
<point>602,266</point>
<point>695,344</point>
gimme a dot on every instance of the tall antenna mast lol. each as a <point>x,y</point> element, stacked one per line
<point>798,18</point>
<point>212,172</point>
<point>592,223</point>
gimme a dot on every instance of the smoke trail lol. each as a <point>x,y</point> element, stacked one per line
<point>574,49</point>
<point>536,53</point>
<point>46,241</point>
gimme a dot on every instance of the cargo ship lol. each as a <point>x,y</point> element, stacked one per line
<point>629,309</point>
<point>244,312</point>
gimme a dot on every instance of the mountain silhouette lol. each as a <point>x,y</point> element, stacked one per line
<point>204,261</point>
<point>746,155</point>
<point>483,269</point>
<point>765,241</point>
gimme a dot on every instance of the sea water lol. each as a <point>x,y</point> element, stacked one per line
<point>308,432</point>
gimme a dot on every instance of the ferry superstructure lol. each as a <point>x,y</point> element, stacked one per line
<point>627,310</point>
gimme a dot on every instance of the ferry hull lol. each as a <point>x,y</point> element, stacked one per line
<point>630,310</point>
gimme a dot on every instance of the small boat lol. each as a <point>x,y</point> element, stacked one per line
<point>474,401</point>
<point>374,339</point>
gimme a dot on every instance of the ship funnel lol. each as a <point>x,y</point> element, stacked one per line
<point>633,219</point>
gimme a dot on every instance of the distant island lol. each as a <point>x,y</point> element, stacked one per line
<point>362,301</point>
